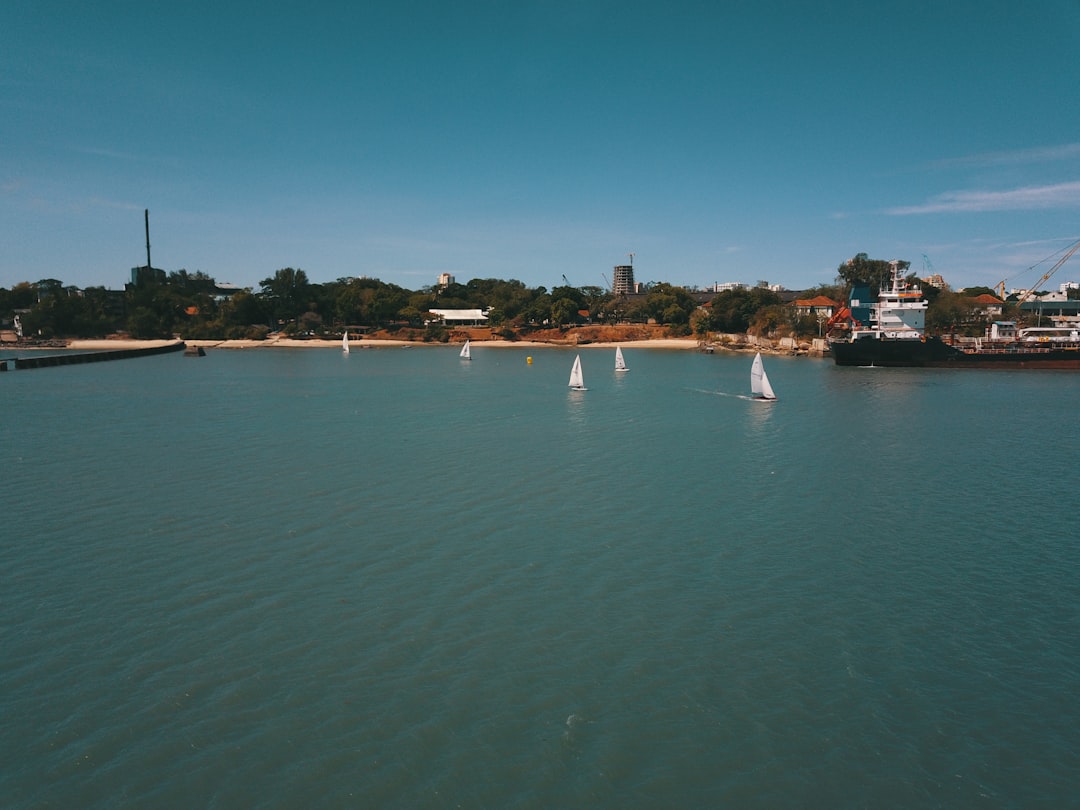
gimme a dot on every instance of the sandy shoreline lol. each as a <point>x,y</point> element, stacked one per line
<point>287,343</point>
<point>676,344</point>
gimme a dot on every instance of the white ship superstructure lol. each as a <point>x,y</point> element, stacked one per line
<point>899,313</point>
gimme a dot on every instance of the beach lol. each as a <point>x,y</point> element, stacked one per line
<point>293,343</point>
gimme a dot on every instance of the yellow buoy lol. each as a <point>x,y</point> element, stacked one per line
<point>528,360</point>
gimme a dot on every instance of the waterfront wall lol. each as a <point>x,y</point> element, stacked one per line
<point>50,360</point>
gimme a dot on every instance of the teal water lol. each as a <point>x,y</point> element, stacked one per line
<point>287,578</point>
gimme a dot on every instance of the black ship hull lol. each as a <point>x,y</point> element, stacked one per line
<point>932,352</point>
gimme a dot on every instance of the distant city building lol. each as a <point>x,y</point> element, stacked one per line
<point>147,275</point>
<point>738,285</point>
<point>1041,295</point>
<point>1068,285</point>
<point>623,280</point>
<point>224,291</point>
<point>934,280</point>
<point>1053,296</point>
<point>445,280</point>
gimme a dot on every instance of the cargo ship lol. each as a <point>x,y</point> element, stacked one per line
<point>891,332</point>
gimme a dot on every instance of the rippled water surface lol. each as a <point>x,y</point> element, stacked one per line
<point>399,579</point>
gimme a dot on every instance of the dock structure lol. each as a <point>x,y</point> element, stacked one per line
<point>50,360</point>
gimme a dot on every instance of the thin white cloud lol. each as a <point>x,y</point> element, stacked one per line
<point>112,154</point>
<point>1040,154</point>
<point>1060,195</point>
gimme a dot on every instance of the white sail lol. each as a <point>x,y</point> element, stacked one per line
<point>620,364</point>
<point>759,380</point>
<point>577,381</point>
<point>345,342</point>
<point>466,353</point>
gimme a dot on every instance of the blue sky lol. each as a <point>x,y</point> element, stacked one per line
<point>716,141</point>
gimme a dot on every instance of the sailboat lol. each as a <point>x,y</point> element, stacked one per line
<point>759,380</point>
<point>577,381</point>
<point>345,342</point>
<point>466,352</point>
<point>620,364</point>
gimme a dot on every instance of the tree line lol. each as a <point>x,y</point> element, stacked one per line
<point>192,305</point>
<point>158,304</point>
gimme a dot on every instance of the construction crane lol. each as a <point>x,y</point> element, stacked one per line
<point>607,283</point>
<point>1068,254</point>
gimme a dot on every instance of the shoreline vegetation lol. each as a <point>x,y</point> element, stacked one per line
<point>289,311</point>
<point>289,307</point>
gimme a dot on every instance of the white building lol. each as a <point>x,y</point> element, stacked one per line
<point>461,317</point>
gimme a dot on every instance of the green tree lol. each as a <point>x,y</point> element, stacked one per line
<point>287,293</point>
<point>242,310</point>
<point>153,306</point>
<point>537,310</point>
<point>22,296</point>
<point>596,300</point>
<point>570,293</point>
<point>700,322</point>
<point>834,292</point>
<point>866,272</point>
<point>564,310</point>
<point>453,296</point>
<point>734,310</point>
<point>309,323</point>
<point>144,322</point>
<point>94,317</point>
<point>956,313</point>
<point>386,302</point>
<point>769,319</point>
<point>509,297</point>
<point>669,304</point>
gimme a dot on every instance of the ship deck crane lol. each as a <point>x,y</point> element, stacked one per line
<point>1047,274</point>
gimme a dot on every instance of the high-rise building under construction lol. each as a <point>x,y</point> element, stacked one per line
<point>623,279</point>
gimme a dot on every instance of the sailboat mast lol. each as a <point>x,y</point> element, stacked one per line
<point>146,216</point>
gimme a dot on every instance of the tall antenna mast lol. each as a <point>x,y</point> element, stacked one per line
<point>146,215</point>
<point>631,259</point>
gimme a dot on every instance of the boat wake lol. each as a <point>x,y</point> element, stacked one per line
<point>725,394</point>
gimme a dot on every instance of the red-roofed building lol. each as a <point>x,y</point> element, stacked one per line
<point>988,304</point>
<point>821,305</point>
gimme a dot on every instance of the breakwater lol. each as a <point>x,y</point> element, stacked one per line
<point>49,360</point>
